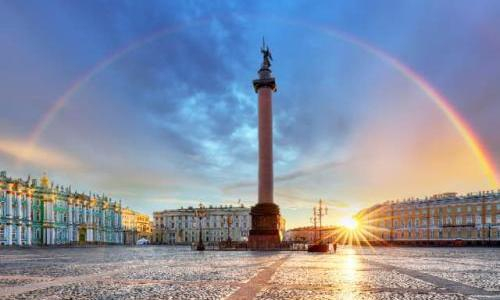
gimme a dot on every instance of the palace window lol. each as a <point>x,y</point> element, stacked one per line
<point>469,208</point>
<point>469,219</point>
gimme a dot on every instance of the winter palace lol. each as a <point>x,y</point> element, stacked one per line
<point>39,213</point>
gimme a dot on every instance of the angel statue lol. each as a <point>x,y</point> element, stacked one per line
<point>266,53</point>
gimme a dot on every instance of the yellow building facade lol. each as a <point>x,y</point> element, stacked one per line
<point>473,218</point>
<point>136,226</point>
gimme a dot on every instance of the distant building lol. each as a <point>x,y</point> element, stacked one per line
<point>136,226</point>
<point>39,213</point>
<point>282,227</point>
<point>180,226</point>
<point>310,235</point>
<point>472,218</point>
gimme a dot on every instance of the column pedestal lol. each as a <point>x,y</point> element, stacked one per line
<point>265,233</point>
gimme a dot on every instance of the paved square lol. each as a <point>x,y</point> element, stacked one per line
<point>156,272</point>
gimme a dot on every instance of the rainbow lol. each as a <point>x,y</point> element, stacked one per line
<point>463,128</point>
<point>471,139</point>
<point>75,85</point>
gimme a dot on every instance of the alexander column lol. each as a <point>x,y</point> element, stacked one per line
<point>265,233</point>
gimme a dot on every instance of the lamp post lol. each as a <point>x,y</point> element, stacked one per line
<point>200,213</point>
<point>313,221</point>
<point>318,213</point>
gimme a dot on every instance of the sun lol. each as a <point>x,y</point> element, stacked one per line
<point>349,223</point>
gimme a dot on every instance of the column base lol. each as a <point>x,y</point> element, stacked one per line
<point>265,233</point>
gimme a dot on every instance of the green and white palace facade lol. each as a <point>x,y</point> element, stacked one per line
<point>36,212</point>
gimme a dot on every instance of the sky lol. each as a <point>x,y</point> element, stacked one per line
<point>152,102</point>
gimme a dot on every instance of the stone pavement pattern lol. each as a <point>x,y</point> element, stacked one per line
<point>179,273</point>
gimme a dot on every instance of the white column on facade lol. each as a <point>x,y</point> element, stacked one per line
<point>84,215</point>
<point>70,233</point>
<point>53,236</point>
<point>29,235</point>
<point>19,235</point>
<point>9,205</point>
<point>19,207</point>
<point>28,209</point>
<point>70,222</point>
<point>70,213</point>
<point>76,218</point>
<point>8,233</point>
<point>52,212</point>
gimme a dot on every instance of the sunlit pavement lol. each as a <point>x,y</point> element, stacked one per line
<point>178,273</point>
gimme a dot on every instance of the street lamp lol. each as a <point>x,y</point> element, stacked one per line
<point>200,213</point>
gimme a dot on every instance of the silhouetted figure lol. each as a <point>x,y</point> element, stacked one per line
<point>334,247</point>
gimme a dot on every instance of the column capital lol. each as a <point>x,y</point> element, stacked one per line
<point>264,82</point>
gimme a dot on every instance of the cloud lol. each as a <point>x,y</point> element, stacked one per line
<point>297,174</point>
<point>38,155</point>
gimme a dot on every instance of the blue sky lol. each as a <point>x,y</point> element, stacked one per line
<point>173,121</point>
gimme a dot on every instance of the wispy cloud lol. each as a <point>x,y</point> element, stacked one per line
<point>301,173</point>
<point>37,155</point>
